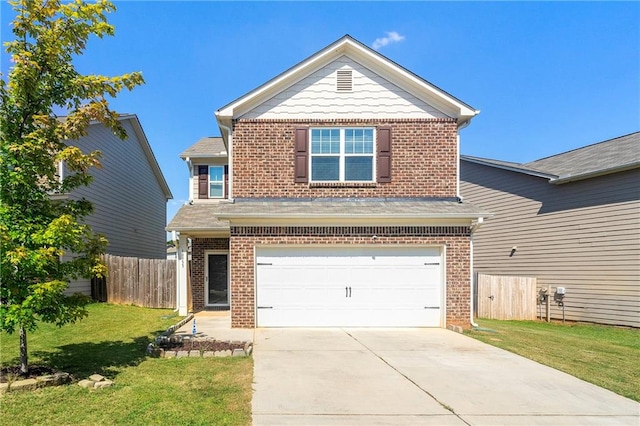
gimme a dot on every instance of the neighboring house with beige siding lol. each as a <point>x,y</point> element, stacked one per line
<point>129,194</point>
<point>574,219</point>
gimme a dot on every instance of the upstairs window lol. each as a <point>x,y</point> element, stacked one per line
<point>342,155</point>
<point>216,181</point>
<point>212,181</point>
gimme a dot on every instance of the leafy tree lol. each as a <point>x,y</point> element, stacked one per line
<point>43,242</point>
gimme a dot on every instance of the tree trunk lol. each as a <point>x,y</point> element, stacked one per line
<point>24,360</point>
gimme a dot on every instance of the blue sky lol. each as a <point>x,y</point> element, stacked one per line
<point>548,77</point>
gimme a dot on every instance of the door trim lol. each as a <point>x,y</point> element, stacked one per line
<point>206,278</point>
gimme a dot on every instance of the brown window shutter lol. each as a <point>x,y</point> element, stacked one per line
<point>203,182</point>
<point>226,181</point>
<point>384,154</point>
<point>302,155</point>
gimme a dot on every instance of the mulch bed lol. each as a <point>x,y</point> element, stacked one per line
<point>201,345</point>
<point>12,372</point>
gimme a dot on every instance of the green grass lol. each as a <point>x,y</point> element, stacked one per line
<point>603,355</point>
<point>112,341</point>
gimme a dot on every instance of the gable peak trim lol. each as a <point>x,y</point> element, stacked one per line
<point>361,53</point>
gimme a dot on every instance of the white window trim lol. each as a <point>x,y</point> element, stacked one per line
<point>216,181</point>
<point>342,155</point>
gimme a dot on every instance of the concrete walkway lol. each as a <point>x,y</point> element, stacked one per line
<point>216,325</point>
<point>416,376</point>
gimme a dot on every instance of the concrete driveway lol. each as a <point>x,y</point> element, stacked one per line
<point>416,376</point>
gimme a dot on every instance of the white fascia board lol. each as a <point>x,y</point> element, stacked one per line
<point>201,156</point>
<point>350,221</point>
<point>276,85</point>
<point>414,84</point>
<point>200,232</point>
<point>352,218</point>
<point>368,58</point>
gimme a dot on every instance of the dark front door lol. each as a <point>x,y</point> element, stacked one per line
<point>217,282</point>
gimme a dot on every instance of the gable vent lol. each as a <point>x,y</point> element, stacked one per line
<point>344,81</point>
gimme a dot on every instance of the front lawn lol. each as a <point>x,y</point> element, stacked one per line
<point>603,355</point>
<point>112,341</point>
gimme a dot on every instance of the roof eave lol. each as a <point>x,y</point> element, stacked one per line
<point>429,216</point>
<point>200,156</point>
<point>409,81</point>
<point>566,179</point>
<point>153,161</point>
<point>170,228</point>
<point>508,168</point>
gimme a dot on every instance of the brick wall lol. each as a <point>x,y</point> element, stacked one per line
<point>244,239</point>
<point>424,159</point>
<point>198,248</point>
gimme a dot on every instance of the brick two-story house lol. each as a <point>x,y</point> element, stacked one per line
<point>331,199</point>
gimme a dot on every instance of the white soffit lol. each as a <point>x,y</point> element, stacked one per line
<point>367,57</point>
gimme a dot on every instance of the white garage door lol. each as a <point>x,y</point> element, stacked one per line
<point>349,287</point>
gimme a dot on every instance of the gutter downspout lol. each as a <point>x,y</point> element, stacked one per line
<point>474,227</point>
<point>190,166</point>
<point>229,158</point>
<point>458,166</point>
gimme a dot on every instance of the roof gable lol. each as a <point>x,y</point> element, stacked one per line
<point>317,96</point>
<point>367,58</point>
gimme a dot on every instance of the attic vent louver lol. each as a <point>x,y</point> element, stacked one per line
<point>344,81</point>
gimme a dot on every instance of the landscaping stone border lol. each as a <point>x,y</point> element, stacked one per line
<point>155,349</point>
<point>95,381</point>
<point>39,382</point>
<point>169,331</point>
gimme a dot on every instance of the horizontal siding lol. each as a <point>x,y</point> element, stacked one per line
<point>315,96</point>
<point>82,285</point>
<point>193,180</point>
<point>583,236</point>
<point>129,204</point>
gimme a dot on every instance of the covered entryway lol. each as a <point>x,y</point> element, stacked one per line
<point>340,286</point>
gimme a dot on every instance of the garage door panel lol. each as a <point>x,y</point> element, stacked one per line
<point>288,296</point>
<point>361,286</point>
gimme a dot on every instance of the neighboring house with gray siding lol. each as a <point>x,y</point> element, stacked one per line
<point>129,194</point>
<point>575,220</point>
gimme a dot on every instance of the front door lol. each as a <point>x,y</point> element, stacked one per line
<point>217,279</point>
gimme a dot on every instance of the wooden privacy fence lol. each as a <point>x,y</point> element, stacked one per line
<point>143,282</point>
<point>506,298</point>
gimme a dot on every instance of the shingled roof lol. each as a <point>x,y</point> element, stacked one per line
<point>613,155</point>
<point>211,216</point>
<point>206,148</point>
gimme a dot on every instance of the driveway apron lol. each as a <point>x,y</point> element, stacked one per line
<point>416,376</point>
